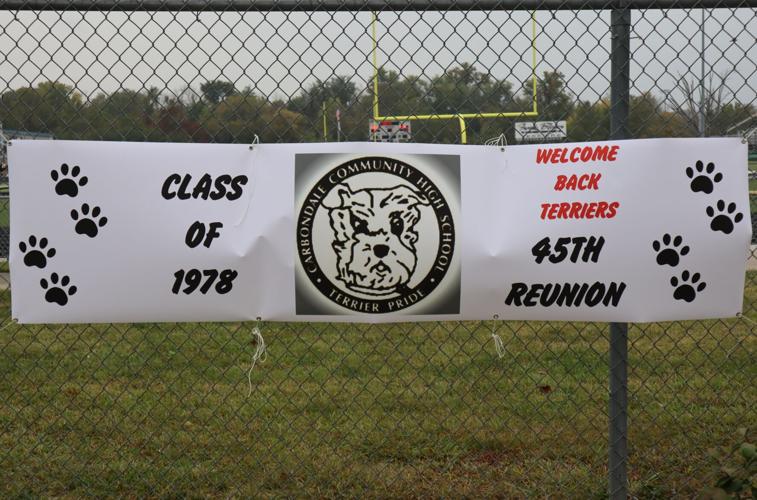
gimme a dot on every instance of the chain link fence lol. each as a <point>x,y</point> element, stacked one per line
<point>350,410</point>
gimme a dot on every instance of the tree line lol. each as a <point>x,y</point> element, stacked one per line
<point>220,112</point>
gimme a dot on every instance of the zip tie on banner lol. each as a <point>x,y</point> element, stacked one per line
<point>746,134</point>
<point>498,344</point>
<point>500,141</point>
<point>747,319</point>
<point>258,355</point>
<point>255,142</point>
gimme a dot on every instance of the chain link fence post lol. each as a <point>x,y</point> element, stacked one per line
<point>620,25</point>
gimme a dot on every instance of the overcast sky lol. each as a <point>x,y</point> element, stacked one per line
<point>278,53</point>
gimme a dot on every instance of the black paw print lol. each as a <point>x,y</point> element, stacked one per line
<point>726,217</point>
<point>668,253</point>
<point>89,223</point>
<point>36,256</point>
<point>66,182</point>
<point>702,179</point>
<point>56,292</point>
<point>685,288</point>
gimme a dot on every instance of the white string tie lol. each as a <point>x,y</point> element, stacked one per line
<point>498,344</point>
<point>747,319</point>
<point>258,355</point>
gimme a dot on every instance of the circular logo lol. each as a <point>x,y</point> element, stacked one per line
<point>375,235</point>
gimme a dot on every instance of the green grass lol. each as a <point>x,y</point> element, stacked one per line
<point>363,411</point>
<point>4,212</point>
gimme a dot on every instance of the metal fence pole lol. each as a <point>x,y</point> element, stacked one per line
<point>620,25</point>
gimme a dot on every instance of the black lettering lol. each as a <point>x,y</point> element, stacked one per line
<point>595,293</point>
<point>213,233</point>
<point>183,193</point>
<point>546,299</point>
<point>581,294</point>
<point>614,293</point>
<point>166,191</point>
<point>220,187</point>
<point>195,234</point>
<point>236,187</point>
<point>202,189</point>
<point>568,294</point>
<point>532,294</point>
<point>516,291</point>
<point>593,248</point>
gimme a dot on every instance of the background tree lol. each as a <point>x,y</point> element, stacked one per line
<point>554,101</point>
<point>589,121</point>
<point>337,93</point>
<point>125,115</point>
<point>49,107</point>
<point>215,91</point>
<point>721,108</point>
<point>219,112</point>
<point>242,116</point>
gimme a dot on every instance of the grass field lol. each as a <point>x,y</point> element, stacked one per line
<point>4,212</point>
<point>364,411</point>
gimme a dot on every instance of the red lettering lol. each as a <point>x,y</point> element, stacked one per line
<point>601,208</point>
<point>563,213</point>
<point>553,210</point>
<point>564,155</point>
<point>579,210</point>
<point>577,154</point>
<point>544,208</point>
<point>590,210</point>
<point>555,156</point>
<point>542,155</point>
<point>576,182</point>
<point>584,206</point>
<point>613,209</point>
<point>586,154</point>
<point>600,153</point>
<point>594,181</point>
<point>574,155</point>
<point>575,211</point>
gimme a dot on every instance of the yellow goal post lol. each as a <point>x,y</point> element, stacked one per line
<point>460,117</point>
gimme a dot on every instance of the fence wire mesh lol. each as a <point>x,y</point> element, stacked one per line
<point>337,410</point>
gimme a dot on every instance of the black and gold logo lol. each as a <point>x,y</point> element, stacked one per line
<point>375,235</point>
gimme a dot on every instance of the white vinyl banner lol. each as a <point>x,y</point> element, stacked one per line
<point>638,230</point>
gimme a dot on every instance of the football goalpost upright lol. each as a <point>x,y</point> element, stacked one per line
<point>460,117</point>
